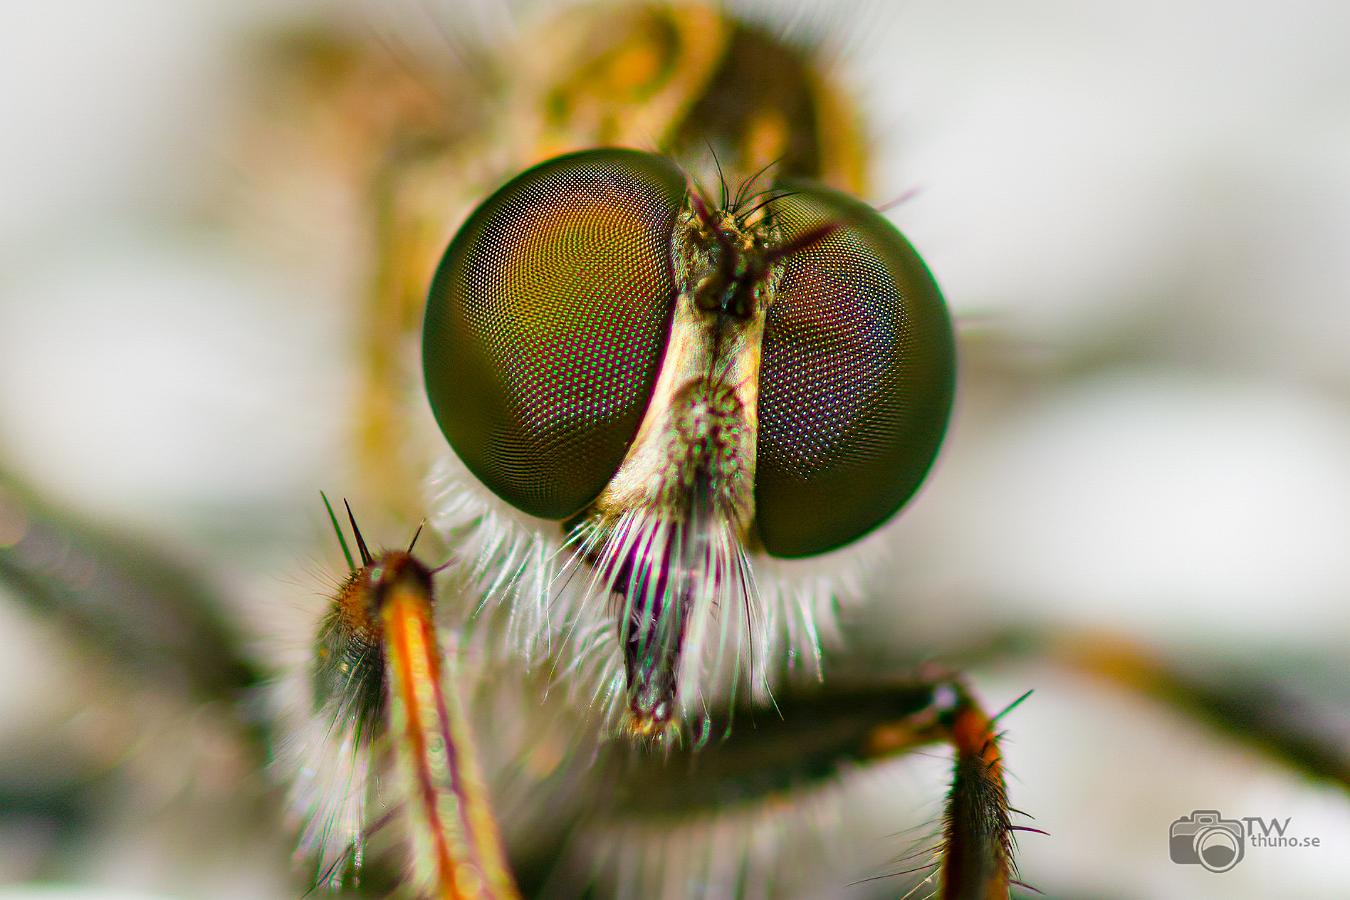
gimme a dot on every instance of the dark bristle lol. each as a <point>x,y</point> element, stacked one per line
<point>769,197</point>
<point>1029,887</point>
<point>746,185</point>
<point>366,558</point>
<point>721,176</point>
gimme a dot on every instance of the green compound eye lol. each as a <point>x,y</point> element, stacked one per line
<point>856,380</point>
<point>546,323</point>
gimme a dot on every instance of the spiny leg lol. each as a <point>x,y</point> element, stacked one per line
<point>383,679</point>
<point>815,737</point>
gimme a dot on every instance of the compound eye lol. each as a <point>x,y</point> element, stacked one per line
<point>546,323</point>
<point>856,380</point>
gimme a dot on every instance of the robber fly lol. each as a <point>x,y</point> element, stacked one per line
<point>672,357</point>
<point>685,384</point>
<point>678,365</point>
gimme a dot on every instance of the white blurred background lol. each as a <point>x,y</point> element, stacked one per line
<point>1140,214</point>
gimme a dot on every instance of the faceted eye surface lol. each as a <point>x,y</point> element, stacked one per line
<point>546,323</point>
<point>856,380</point>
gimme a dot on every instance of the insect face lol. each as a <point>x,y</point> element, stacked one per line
<point>681,384</point>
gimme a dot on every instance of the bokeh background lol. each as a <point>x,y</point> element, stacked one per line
<point>1140,214</point>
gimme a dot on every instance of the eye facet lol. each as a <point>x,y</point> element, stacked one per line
<point>546,323</point>
<point>856,379</point>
